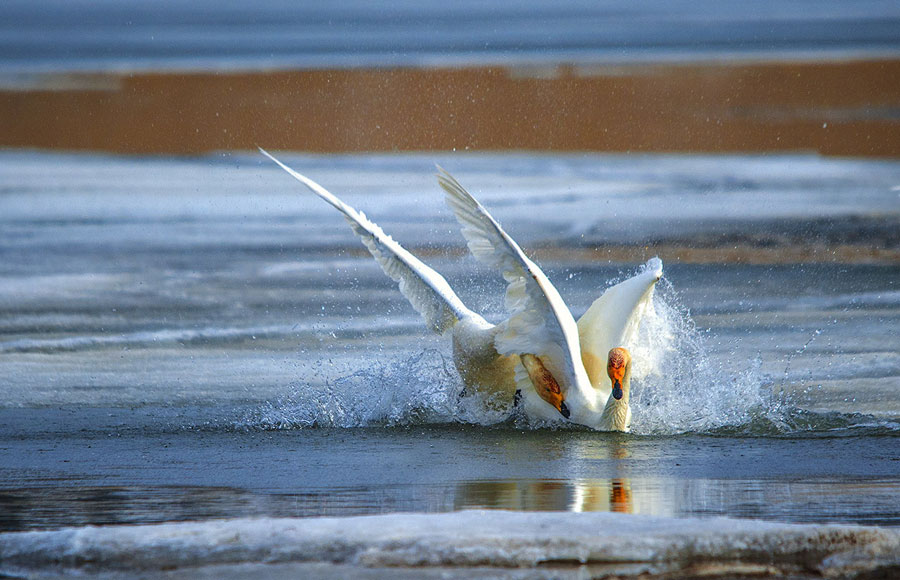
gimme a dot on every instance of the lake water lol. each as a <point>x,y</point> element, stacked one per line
<point>194,339</point>
<point>91,35</point>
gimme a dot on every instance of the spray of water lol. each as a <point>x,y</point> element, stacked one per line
<point>422,388</point>
<point>676,388</point>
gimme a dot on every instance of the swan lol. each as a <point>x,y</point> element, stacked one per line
<point>540,357</point>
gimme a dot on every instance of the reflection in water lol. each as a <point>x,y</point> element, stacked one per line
<point>615,494</point>
<point>592,495</point>
<point>612,495</point>
<point>874,501</point>
<point>620,497</point>
<point>526,494</point>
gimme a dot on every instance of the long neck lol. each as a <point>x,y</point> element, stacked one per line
<point>617,412</point>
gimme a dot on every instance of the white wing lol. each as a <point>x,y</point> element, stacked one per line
<point>540,322</point>
<point>427,291</point>
<point>613,319</point>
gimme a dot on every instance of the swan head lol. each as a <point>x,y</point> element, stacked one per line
<point>545,384</point>
<point>617,412</point>
<point>618,367</point>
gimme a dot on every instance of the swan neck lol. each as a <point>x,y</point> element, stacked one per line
<point>617,412</point>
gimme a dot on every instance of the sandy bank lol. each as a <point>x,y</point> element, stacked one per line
<point>847,108</point>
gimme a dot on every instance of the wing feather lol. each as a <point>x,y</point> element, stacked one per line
<point>540,322</point>
<point>613,320</point>
<point>427,291</point>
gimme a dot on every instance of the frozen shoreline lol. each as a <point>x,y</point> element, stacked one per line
<point>596,207</point>
<point>625,545</point>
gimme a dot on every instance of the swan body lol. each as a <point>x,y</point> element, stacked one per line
<point>484,371</point>
<point>555,363</point>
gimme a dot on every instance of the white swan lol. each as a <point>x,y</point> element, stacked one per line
<point>538,350</point>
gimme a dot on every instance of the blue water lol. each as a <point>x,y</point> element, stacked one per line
<point>90,35</point>
<point>193,339</point>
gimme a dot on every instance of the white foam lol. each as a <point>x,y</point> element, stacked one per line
<point>459,539</point>
<point>676,388</point>
<point>423,388</point>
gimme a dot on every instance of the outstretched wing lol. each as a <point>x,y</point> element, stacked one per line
<point>427,291</point>
<point>540,322</point>
<point>613,319</point>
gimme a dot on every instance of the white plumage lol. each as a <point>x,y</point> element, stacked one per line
<point>559,366</point>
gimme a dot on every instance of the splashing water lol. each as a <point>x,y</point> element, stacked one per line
<point>676,388</point>
<point>423,388</point>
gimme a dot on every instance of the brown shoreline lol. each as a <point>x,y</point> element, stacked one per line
<point>846,108</point>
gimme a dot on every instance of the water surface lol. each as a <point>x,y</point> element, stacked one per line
<point>100,36</point>
<point>191,339</point>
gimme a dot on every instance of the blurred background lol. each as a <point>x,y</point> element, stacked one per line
<point>151,76</point>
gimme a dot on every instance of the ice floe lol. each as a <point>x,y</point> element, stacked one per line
<point>622,544</point>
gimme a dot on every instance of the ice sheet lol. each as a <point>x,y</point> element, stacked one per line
<point>458,540</point>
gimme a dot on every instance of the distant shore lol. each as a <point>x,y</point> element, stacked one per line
<point>840,108</point>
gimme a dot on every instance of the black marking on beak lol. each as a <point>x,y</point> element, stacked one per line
<point>564,410</point>
<point>617,391</point>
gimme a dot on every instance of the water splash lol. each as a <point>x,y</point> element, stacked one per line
<point>676,388</point>
<point>679,389</point>
<point>421,389</point>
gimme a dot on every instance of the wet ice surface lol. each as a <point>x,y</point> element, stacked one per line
<point>193,339</point>
<point>506,541</point>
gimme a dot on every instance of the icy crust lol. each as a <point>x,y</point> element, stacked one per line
<point>628,543</point>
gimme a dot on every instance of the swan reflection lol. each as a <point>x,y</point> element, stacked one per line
<point>615,490</point>
<point>613,495</point>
